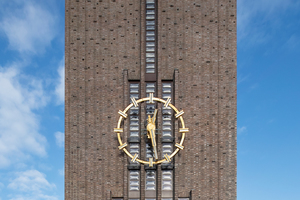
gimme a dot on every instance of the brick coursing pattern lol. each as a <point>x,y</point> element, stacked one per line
<point>105,37</point>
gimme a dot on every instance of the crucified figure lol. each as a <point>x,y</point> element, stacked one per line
<point>151,132</point>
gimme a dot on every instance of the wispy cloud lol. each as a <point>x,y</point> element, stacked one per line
<point>29,29</point>
<point>293,42</point>
<point>241,78</point>
<point>61,171</point>
<point>256,19</point>
<point>254,86</point>
<point>60,87</point>
<point>241,130</point>
<point>1,186</point>
<point>31,184</point>
<point>19,125</point>
<point>60,139</point>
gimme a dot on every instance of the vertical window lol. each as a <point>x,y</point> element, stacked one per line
<point>134,148</point>
<point>150,64</point>
<point>166,180</point>
<point>167,111</point>
<point>167,148</point>
<point>150,36</point>
<point>134,145</point>
<point>150,88</point>
<point>134,180</point>
<point>167,123</point>
<point>167,142</point>
<point>150,108</point>
<point>134,111</point>
<point>150,179</point>
<point>149,152</point>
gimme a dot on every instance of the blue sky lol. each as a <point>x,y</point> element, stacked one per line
<point>268,100</point>
<point>32,100</point>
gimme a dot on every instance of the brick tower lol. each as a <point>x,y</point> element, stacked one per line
<point>181,51</point>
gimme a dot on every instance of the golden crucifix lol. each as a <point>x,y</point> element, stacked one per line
<point>151,132</point>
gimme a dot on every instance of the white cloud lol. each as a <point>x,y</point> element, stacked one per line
<point>31,185</point>
<point>60,87</point>
<point>33,197</point>
<point>30,181</point>
<point>29,29</point>
<point>60,139</point>
<point>19,125</point>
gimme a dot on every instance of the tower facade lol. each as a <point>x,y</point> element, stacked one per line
<point>171,53</point>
